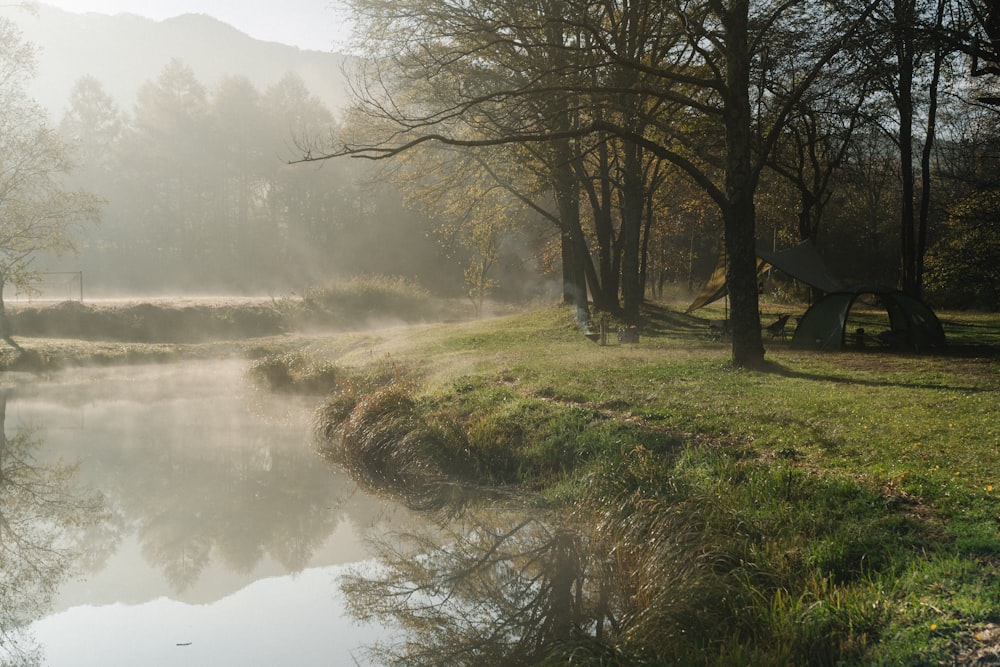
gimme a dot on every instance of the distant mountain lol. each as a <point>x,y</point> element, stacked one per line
<point>124,51</point>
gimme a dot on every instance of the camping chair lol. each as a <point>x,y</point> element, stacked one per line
<point>777,328</point>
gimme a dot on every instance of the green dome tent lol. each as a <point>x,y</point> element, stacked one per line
<point>913,326</point>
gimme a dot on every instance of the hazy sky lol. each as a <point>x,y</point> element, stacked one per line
<point>308,24</point>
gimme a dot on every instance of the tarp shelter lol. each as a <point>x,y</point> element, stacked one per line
<point>912,325</point>
<point>801,262</point>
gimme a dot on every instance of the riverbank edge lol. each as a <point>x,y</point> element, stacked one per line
<point>832,557</point>
<point>828,560</point>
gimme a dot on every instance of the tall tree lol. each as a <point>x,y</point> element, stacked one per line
<point>37,214</point>
<point>464,71</point>
<point>313,207</point>
<point>93,124</point>
<point>818,135</point>
<point>172,166</point>
<point>239,130</point>
<point>909,68</point>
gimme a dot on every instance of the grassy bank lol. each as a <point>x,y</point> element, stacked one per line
<point>836,509</point>
<point>127,331</point>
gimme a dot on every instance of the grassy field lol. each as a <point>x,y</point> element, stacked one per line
<point>850,501</point>
<point>835,508</point>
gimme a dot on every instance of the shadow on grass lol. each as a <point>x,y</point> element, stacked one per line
<point>776,368</point>
<point>659,320</point>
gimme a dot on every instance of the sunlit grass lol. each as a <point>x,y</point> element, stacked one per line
<point>843,479</point>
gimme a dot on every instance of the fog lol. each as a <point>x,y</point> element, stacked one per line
<point>185,128</point>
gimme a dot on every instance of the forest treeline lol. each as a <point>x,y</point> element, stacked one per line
<point>200,193</point>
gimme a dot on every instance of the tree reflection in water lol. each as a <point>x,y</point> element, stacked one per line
<point>503,582</point>
<point>636,568</point>
<point>490,585</point>
<point>43,521</point>
<point>506,586</point>
<point>493,588</point>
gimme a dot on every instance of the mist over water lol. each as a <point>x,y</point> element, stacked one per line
<point>223,534</point>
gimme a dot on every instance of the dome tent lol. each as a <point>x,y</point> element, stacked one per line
<point>913,325</point>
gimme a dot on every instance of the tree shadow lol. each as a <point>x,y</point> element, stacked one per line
<point>775,368</point>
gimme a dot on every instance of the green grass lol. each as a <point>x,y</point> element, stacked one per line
<point>850,500</point>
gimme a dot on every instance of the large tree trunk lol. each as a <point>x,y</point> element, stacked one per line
<point>609,249</point>
<point>904,105</point>
<point>631,231</point>
<point>601,205</point>
<point>574,246</point>
<point>925,162</point>
<point>647,224</point>
<point>570,281</point>
<point>739,216</point>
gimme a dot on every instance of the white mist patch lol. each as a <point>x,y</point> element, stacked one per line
<point>289,620</point>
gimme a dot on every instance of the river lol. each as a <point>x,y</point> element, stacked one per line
<point>218,535</point>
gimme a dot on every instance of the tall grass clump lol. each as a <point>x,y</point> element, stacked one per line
<point>388,446</point>
<point>370,299</point>
<point>294,372</point>
<point>717,558</point>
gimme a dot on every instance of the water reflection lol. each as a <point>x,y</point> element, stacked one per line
<point>208,487</point>
<point>44,519</point>
<point>491,589</point>
<point>492,584</point>
<point>196,467</point>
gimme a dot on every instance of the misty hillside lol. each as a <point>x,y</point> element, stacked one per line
<point>125,50</point>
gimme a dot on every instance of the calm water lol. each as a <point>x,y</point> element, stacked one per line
<point>223,535</point>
